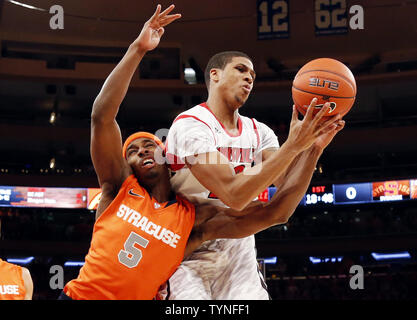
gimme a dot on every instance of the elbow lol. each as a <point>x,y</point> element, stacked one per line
<point>237,200</point>
<point>278,221</point>
<point>234,203</point>
<point>281,217</point>
<point>282,220</point>
<point>232,196</point>
<point>98,116</point>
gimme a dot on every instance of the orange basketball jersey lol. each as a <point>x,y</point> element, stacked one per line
<point>137,244</point>
<point>12,285</point>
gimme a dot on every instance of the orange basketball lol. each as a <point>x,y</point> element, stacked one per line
<point>328,80</point>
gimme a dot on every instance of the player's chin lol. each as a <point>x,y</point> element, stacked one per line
<point>241,99</point>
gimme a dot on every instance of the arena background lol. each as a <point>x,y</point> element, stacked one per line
<point>49,79</point>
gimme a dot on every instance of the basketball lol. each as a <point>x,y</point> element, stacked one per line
<point>328,80</point>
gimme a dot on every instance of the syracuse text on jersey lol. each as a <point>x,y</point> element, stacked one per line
<point>135,218</point>
<point>9,289</point>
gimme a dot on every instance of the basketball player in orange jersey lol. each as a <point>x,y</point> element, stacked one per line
<point>15,282</point>
<point>142,227</point>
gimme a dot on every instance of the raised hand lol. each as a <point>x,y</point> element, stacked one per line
<point>153,29</point>
<point>304,133</point>
<point>327,135</point>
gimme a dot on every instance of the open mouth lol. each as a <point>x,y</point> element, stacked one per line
<point>148,163</point>
<point>246,89</point>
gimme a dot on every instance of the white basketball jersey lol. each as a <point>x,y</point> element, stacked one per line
<point>198,131</point>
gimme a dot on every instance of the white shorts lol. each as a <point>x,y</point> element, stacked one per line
<point>225,269</point>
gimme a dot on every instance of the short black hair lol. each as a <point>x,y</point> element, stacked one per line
<point>219,61</point>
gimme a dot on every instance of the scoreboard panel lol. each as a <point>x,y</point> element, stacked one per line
<point>316,195</point>
<point>413,189</point>
<point>365,192</point>
<point>352,193</point>
<point>391,190</point>
<point>40,197</point>
<point>319,194</point>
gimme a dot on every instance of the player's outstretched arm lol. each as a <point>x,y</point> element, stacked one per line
<point>106,141</point>
<point>216,222</point>
<point>237,191</point>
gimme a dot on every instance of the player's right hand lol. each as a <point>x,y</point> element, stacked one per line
<point>303,133</point>
<point>153,29</point>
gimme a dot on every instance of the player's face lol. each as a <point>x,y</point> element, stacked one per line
<point>140,155</point>
<point>236,80</point>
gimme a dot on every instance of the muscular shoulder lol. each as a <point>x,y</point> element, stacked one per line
<point>26,273</point>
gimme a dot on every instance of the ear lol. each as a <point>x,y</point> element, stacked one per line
<point>215,74</point>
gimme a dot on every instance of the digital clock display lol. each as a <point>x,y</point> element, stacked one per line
<point>319,195</point>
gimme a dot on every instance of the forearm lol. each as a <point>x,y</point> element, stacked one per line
<point>114,90</point>
<point>302,170</point>
<point>304,162</point>
<point>232,223</point>
<point>280,181</point>
<point>249,184</point>
<point>291,192</point>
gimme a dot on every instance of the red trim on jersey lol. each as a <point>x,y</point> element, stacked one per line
<point>194,117</point>
<point>239,122</point>
<point>256,131</point>
<point>174,162</point>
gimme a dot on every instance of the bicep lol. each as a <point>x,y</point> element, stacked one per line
<point>106,152</point>
<point>28,284</point>
<point>214,172</point>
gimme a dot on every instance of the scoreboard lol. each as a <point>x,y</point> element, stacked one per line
<point>321,194</point>
<point>45,197</point>
<point>352,193</point>
<point>316,195</point>
<point>366,192</point>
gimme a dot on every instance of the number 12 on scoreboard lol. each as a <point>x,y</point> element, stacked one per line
<point>273,19</point>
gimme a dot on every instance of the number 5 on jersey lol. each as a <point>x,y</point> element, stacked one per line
<point>131,255</point>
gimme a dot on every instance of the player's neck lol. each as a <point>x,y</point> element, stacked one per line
<point>228,115</point>
<point>160,191</point>
<point>159,187</point>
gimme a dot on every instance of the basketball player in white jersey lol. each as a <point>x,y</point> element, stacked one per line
<point>225,159</point>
